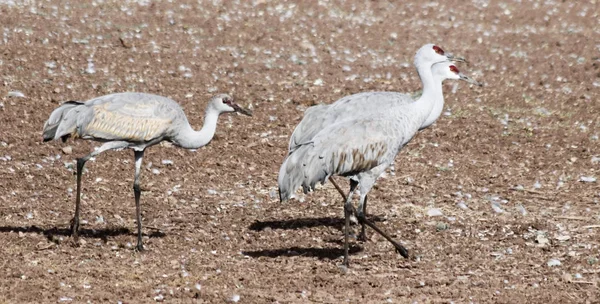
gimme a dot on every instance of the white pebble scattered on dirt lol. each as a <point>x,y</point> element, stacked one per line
<point>496,207</point>
<point>16,94</point>
<point>434,212</point>
<point>587,179</point>
<point>553,262</point>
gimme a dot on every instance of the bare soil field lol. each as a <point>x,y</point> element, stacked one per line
<point>497,202</point>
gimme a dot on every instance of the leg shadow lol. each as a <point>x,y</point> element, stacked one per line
<point>298,223</point>
<point>52,233</point>
<point>308,222</point>
<point>320,253</point>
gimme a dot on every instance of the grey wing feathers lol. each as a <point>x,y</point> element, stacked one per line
<point>346,148</point>
<point>349,107</point>
<point>135,117</point>
<point>311,124</point>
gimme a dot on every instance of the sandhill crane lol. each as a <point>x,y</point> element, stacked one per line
<point>136,121</point>
<point>362,147</point>
<point>317,117</point>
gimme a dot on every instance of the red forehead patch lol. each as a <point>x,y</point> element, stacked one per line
<point>438,50</point>
<point>454,69</point>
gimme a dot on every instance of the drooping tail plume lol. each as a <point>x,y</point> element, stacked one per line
<point>58,119</point>
<point>303,167</point>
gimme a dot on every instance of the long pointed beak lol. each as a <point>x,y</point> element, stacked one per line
<point>470,80</point>
<point>241,110</point>
<point>451,57</point>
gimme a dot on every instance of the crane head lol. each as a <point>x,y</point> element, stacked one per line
<point>447,70</point>
<point>225,103</point>
<point>431,53</point>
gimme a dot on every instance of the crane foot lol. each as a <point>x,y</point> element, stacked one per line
<point>139,248</point>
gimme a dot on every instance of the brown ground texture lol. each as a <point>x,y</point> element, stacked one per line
<point>510,166</point>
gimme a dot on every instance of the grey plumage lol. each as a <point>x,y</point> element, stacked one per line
<point>138,118</point>
<point>131,120</point>
<point>52,124</point>
<point>318,117</point>
<point>347,148</point>
<point>361,144</point>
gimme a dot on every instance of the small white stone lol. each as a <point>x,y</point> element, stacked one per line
<point>434,212</point>
<point>587,179</point>
<point>496,207</point>
<point>16,94</point>
<point>462,205</point>
<point>553,262</point>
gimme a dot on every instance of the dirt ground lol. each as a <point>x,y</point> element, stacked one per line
<point>497,202</point>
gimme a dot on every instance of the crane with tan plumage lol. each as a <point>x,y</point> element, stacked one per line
<point>135,121</point>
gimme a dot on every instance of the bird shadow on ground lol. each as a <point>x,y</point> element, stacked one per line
<point>320,253</point>
<point>309,222</point>
<point>52,233</point>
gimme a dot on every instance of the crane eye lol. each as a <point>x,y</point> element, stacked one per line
<point>454,69</point>
<point>227,101</point>
<point>438,50</point>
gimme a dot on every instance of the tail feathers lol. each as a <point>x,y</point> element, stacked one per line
<point>301,168</point>
<point>58,125</point>
<point>290,176</point>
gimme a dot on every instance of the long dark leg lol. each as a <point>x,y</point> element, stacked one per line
<point>139,155</point>
<point>338,188</point>
<point>348,208</point>
<point>363,220</point>
<point>363,235</point>
<point>75,220</point>
<point>80,164</point>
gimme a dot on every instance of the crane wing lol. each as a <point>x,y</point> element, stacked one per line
<point>345,148</point>
<point>320,116</point>
<point>132,117</point>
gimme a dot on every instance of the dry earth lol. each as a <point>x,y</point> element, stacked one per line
<point>511,167</point>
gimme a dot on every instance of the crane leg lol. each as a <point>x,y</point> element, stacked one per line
<point>80,164</point>
<point>339,189</point>
<point>363,220</point>
<point>363,235</point>
<point>348,209</point>
<point>75,220</point>
<point>139,155</point>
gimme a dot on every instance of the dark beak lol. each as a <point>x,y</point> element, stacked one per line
<point>470,80</point>
<point>241,110</point>
<point>455,58</point>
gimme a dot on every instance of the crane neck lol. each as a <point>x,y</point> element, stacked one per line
<point>438,105</point>
<point>191,139</point>
<point>425,104</point>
